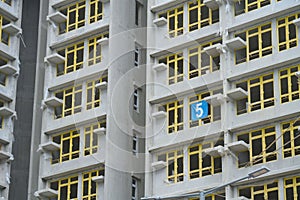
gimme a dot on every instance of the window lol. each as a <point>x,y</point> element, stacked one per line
<point>201,164</point>
<point>244,6</point>
<point>69,146</point>
<point>287,32</point>
<point>291,138</point>
<point>266,191</point>
<point>200,15</point>
<point>73,59</point>
<point>136,56</point>
<point>3,61</point>
<point>93,93</point>
<point>136,99</point>
<point>134,144</point>
<point>95,53</point>
<point>214,113</point>
<point>3,78</point>
<point>175,116</point>
<point>1,117</point>
<point>175,65</point>
<point>260,94</point>
<point>67,188</point>
<point>292,188</point>
<point>96,11</point>
<point>259,43</point>
<point>262,147</point>
<point>4,35</point>
<point>91,138</point>
<point>89,191</point>
<point>175,171</point>
<point>175,21</point>
<point>289,86</point>
<point>75,17</point>
<point>200,62</point>
<point>138,13</point>
<point>134,194</point>
<point>71,101</point>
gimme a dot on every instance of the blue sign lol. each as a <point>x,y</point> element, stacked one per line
<point>199,110</point>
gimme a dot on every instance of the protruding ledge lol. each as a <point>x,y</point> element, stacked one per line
<point>101,85</point>
<point>237,94</point>
<point>159,115</point>
<point>214,50</point>
<point>8,69</point>
<point>235,43</point>
<point>160,21</point>
<point>57,17</point>
<point>50,146</point>
<point>103,41</point>
<point>238,146</point>
<point>160,67</point>
<point>212,4</point>
<point>215,100</point>
<point>11,28</point>
<point>5,111</point>
<point>100,131</point>
<point>215,151</point>
<point>55,58</point>
<point>46,193</point>
<point>5,155</point>
<point>53,101</point>
<point>159,165</point>
<point>297,22</point>
<point>98,179</point>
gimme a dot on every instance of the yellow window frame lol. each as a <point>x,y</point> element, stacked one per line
<point>199,6</point>
<point>75,23</point>
<point>257,32</point>
<point>91,139</point>
<point>75,93</point>
<point>290,131</point>
<point>263,189</point>
<point>201,171</point>
<point>173,159</point>
<point>67,183</point>
<point>174,107</point>
<point>293,90</point>
<point>173,16</point>
<point>95,49</point>
<point>261,134</point>
<point>175,67</point>
<point>250,6</point>
<point>93,94</point>
<point>71,138</point>
<point>286,24</point>
<point>95,11</point>
<point>263,102</point>
<point>292,183</point>
<point>89,187</point>
<point>74,57</point>
<point>199,53</point>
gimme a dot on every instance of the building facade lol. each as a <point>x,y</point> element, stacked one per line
<point>88,126</point>
<point>242,58</point>
<point>10,34</point>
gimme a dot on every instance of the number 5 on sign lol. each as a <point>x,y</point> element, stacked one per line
<point>199,110</point>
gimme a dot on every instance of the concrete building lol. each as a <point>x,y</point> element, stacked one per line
<point>242,58</point>
<point>89,115</point>
<point>10,34</point>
